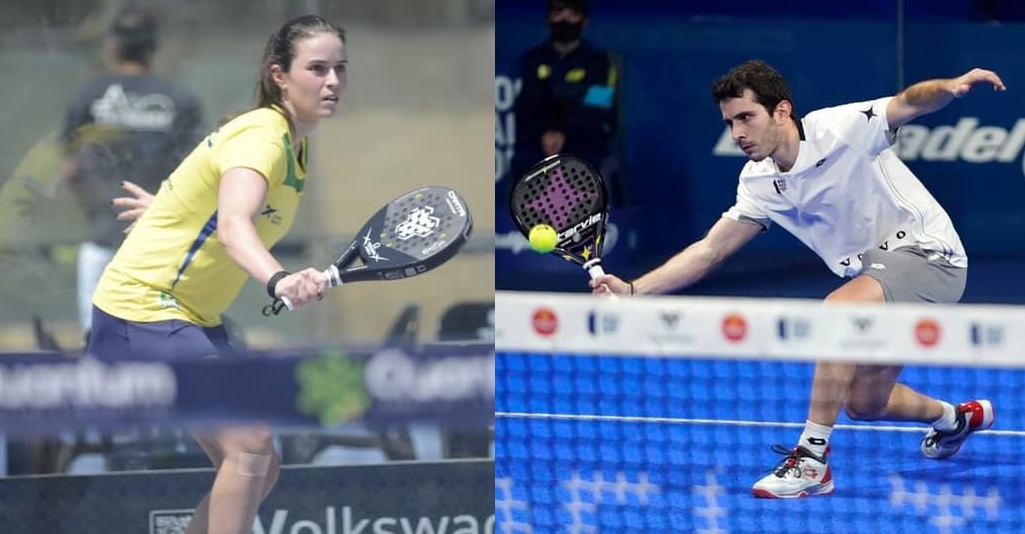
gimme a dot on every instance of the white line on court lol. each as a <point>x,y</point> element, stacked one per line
<point>727,422</point>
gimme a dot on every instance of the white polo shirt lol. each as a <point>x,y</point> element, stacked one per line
<point>847,192</point>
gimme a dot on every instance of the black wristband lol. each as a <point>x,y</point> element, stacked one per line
<point>631,288</point>
<point>272,284</point>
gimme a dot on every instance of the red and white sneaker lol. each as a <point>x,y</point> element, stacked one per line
<point>972,416</point>
<point>801,474</point>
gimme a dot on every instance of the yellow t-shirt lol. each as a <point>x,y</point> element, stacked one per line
<point>172,265</point>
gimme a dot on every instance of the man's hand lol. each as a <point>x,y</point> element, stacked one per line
<point>963,84</point>
<point>609,284</point>
<point>132,207</point>
<point>552,142</point>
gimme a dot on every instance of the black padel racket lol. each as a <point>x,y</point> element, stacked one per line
<point>567,194</point>
<point>411,235</point>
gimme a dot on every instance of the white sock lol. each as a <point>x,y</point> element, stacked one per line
<point>948,421</point>
<point>815,438</point>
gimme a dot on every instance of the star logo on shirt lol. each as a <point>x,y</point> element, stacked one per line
<point>869,113</point>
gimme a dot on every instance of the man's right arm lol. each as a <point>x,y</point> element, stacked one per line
<point>725,238</point>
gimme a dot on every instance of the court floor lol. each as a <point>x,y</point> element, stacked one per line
<point>588,444</point>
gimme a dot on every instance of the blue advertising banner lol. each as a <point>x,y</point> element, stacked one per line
<point>451,384</point>
<point>682,166</point>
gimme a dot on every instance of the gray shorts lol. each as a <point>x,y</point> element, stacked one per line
<point>910,274</point>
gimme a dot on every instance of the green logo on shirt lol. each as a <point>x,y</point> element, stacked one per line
<point>291,180</point>
<point>168,301</point>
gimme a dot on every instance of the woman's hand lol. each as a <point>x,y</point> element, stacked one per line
<point>132,207</point>
<point>303,287</point>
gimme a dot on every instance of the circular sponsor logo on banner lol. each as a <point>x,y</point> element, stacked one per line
<point>927,331</point>
<point>734,327</point>
<point>545,321</point>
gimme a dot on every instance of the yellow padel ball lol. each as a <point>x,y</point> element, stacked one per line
<point>543,238</point>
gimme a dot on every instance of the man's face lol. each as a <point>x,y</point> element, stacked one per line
<point>754,130</point>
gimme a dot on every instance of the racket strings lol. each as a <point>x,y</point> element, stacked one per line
<point>560,197</point>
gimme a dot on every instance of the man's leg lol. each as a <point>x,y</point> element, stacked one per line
<point>869,393</point>
<point>805,472</point>
<point>951,425</point>
<point>832,380</point>
<point>876,395</point>
<point>92,259</point>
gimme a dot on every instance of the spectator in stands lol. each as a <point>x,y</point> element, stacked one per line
<point>567,100</point>
<point>125,124</point>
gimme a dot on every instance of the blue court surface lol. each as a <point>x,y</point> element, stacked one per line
<point>610,444</point>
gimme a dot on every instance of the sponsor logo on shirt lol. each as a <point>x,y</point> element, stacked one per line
<point>130,110</point>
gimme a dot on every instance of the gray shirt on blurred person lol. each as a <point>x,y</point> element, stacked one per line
<point>118,127</point>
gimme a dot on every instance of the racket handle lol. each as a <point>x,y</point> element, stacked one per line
<point>287,303</point>
<point>334,277</point>
<point>595,271</point>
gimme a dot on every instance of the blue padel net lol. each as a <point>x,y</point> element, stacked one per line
<point>595,436</point>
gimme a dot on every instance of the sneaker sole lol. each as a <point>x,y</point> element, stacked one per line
<point>821,489</point>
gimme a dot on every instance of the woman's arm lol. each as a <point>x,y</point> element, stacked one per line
<point>240,198</point>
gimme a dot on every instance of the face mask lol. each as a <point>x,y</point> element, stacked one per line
<point>566,32</point>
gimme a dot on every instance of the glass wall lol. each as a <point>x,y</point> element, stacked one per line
<point>416,112</point>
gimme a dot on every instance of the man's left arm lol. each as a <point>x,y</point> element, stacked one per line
<point>931,95</point>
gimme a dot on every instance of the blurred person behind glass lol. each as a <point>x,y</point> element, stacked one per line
<point>125,124</point>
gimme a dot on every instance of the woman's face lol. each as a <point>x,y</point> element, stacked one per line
<point>317,78</point>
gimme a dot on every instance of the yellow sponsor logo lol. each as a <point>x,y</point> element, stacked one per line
<point>575,75</point>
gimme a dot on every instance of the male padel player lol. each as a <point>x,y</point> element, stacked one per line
<point>832,180</point>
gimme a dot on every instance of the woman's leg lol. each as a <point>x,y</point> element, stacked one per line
<point>247,472</point>
<point>201,516</point>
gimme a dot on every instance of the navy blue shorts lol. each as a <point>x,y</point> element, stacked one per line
<point>113,339</point>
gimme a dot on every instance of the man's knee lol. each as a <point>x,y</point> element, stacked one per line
<point>860,410</point>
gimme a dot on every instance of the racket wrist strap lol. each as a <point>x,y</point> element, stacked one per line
<point>272,284</point>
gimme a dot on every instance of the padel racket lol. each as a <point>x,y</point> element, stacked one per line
<point>567,194</point>
<point>411,235</point>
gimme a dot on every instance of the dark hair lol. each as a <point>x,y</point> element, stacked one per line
<point>580,6</point>
<point>134,30</point>
<point>280,50</point>
<point>764,81</point>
